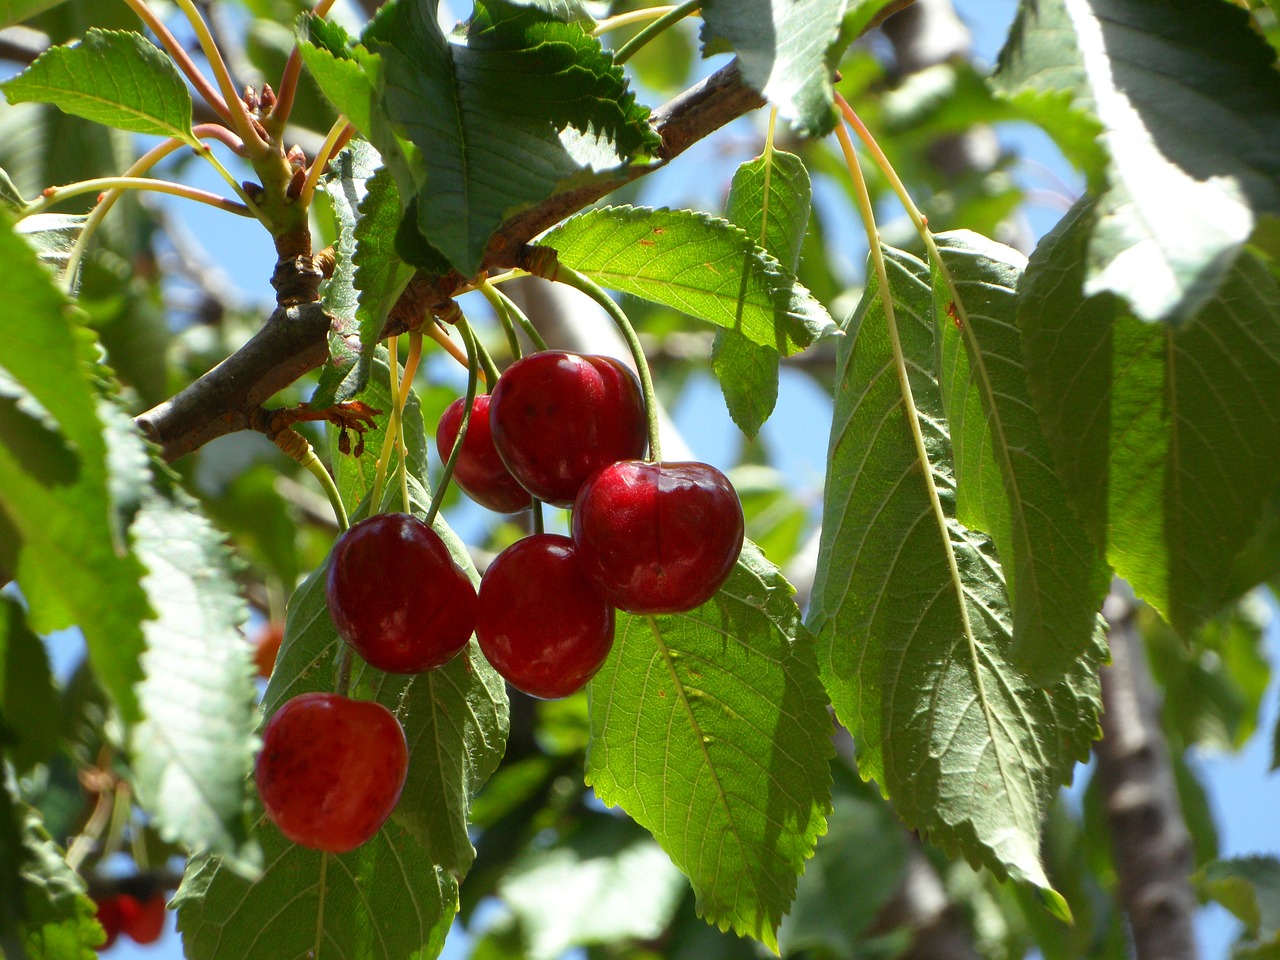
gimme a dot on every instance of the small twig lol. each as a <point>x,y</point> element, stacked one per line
<point>288,87</point>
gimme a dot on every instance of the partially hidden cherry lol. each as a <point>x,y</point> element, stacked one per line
<point>479,470</point>
<point>111,919</point>
<point>143,920</point>
<point>266,646</point>
<point>331,770</point>
<point>396,595</point>
<point>540,624</point>
<point>657,537</point>
<point>559,417</point>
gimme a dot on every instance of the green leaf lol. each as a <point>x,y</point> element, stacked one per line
<point>10,195</point>
<point>394,897</point>
<point>568,10</point>
<point>15,11</point>
<point>1006,485</point>
<point>1250,888</point>
<point>193,752</point>
<point>29,714</point>
<point>913,619</point>
<point>607,882</point>
<point>1164,438</point>
<point>769,199</point>
<point>347,75</point>
<point>113,77</point>
<point>72,565</point>
<point>1189,102</point>
<point>704,266</point>
<point>32,436</point>
<point>57,919</point>
<point>469,152</point>
<point>785,50</point>
<point>380,274</point>
<point>710,728</point>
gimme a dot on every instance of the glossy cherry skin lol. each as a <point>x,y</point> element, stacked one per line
<point>540,623</point>
<point>657,537</point>
<point>331,770</point>
<point>111,918</point>
<point>559,417</point>
<point>396,595</point>
<point>479,470</point>
<point>143,920</point>
<point>266,646</point>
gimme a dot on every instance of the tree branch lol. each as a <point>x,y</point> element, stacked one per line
<point>1151,845</point>
<point>228,398</point>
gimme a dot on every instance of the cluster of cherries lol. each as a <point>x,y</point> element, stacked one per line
<point>141,919</point>
<point>647,538</point>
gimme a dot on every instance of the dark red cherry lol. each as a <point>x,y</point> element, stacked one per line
<point>479,470</point>
<point>111,917</point>
<point>540,623</point>
<point>143,920</point>
<point>657,537</point>
<point>559,417</point>
<point>266,646</point>
<point>331,770</point>
<point>396,595</point>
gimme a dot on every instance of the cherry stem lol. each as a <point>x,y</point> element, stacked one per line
<point>473,377</point>
<point>673,16</point>
<point>406,387</point>
<point>583,283</point>
<point>514,311</point>
<point>437,332</point>
<point>288,87</point>
<point>388,441</point>
<point>499,304</point>
<point>318,470</point>
<point>182,59</point>
<point>626,19</point>
<point>537,516</point>
<point>339,134</point>
<point>55,195</point>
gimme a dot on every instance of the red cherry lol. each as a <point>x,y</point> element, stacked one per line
<point>558,417</point>
<point>479,470</point>
<point>657,537</point>
<point>111,918</point>
<point>266,646</point>
<point>143,919</point>
<point>396,595</point>
<point>331,770</point>
<point>540,623</point>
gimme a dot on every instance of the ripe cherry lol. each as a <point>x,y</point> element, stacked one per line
<point>479,470</point>
<point>540,623</point>
<point>396,595</point>
<point>266,646</point>
<point>109,916</point>
<point>331,770</point>
<point>559,417</point>
<point>657,537</point>
<point>143,920</point>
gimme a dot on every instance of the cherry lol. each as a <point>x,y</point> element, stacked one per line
<point>540,623</point>
<point>143,920</point>
<point>479,470</point>
<point>111,919</point>
<point>266,646</point>
<point>331,770</point>
<point>559,417</point>
<point>657,537</point>
<point>396,595</point>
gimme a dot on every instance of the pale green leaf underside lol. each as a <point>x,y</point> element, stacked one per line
<point>116,78</point>
<point>710,729</point>
<point>696,263</point>
<point>1006,482</point>
<point>783,51</point>
<point>193,752</point>
<point>1165,439</point>
<point>969,750</point>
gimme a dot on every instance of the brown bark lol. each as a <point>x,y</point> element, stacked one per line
<point>228,397</point>
<point>1151,845</point>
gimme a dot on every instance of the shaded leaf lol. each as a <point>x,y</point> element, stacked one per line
<point>710,728</point>
<point>72,566</point>
<point>10,195</point>
<point>1163,437</point>
<point>113,77</point>
<point>704,266</point>
<point>1250,888</point>
<point>29,709</point>
<point>33,437</point>
<point>913,619</point>
<point>15,11</point>
<point>348,75</point>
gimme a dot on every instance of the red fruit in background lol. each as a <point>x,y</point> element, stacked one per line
<point>657,537</point>
<point>266,647</point>
<point>331,770</point>
<point>540,624</point>
<point>396,595</point>
<point>479,470</point>
<point>109,915</point>
<point>143,920</point>
<point>558,417</point>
